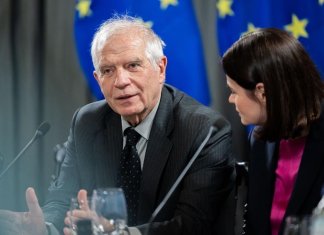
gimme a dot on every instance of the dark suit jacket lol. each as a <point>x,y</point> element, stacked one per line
<point>180,125</point>
<point>307,190</point>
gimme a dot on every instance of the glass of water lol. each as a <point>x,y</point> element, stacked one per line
<point>298,225</point>
<point>292,226</point>
<point>110,209</point>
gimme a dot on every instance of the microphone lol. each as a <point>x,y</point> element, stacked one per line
<point>59,153</point>
<point>179,179</point>
<point>41,131</point>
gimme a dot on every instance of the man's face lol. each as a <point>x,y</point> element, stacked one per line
<point>130,83</point>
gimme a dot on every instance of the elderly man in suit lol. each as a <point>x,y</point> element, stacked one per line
<point>130,68</point>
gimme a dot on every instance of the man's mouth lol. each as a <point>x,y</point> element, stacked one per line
<point>125,97</point>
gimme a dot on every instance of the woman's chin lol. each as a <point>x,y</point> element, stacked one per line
<point>244,122</point>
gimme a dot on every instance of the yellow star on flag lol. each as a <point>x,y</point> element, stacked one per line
<point>297,27</point>
<point>165,3</point>
<point>250,28</point>
<point>148,24</point>
<point>83,7</point>
<point>224,8</point>
<point>321,2</point>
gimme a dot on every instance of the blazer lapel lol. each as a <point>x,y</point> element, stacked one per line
<point>107,150</point>
<point>261,180</point>
<point>157,154</point>
<point>311,164</point>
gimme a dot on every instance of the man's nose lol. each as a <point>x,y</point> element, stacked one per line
<point>122,78</point>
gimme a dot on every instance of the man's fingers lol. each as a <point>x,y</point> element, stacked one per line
<point>67,231</point>
<point>67,221</point>
<point>81,214</point>
<point>32,202</point>
<point>83,200</point>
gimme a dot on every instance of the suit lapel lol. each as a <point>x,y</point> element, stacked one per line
<point>107,149</point>
<point>269,178</point>
<point>261,179</point>
<point>311,164</point>
<point>157,154</point>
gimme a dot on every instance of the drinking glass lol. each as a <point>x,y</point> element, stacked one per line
<point>109,206</point>
<point>298,225</point>
<point>292,226</point>
<point>305,225</point>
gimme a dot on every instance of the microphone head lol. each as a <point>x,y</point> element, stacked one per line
<point>43,129</point>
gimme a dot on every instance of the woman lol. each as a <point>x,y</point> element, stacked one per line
<point>275,87</point>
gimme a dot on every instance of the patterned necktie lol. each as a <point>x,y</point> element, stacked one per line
<point>129,178</point>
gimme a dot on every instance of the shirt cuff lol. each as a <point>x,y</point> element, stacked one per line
<point>51,230</point>
<point>134,231</point>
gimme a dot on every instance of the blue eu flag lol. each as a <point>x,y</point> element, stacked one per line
<point>303,19</point>
<point>173,20</point>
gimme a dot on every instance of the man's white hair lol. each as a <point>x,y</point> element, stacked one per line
<point>121,23</point>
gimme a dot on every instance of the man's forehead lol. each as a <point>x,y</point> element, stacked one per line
<point>123,43</point>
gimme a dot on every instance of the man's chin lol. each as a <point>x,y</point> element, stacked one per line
<point>128,114</point>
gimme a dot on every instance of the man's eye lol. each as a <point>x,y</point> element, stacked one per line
<point>106,71</point>
<point>133,65</point>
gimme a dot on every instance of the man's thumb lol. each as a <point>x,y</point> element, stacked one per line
<point>32,202</point>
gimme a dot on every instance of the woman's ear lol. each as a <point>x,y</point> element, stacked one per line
<point>259,92</point>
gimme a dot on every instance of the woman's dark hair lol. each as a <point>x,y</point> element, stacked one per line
<point>293,86</point>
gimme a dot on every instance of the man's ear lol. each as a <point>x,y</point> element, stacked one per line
<point>96,76</point>
<point>259,92</point>
<point>162,68</point>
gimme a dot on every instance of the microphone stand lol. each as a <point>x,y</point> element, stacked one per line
<point>39,132</point>
<point>177,182</point>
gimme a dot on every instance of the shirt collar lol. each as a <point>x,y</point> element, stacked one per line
<point>144,128</point>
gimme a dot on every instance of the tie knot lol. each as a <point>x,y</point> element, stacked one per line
<point>132,137</point>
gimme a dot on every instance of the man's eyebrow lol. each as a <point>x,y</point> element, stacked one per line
<point>135,60</point>
<point>106,66</point>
